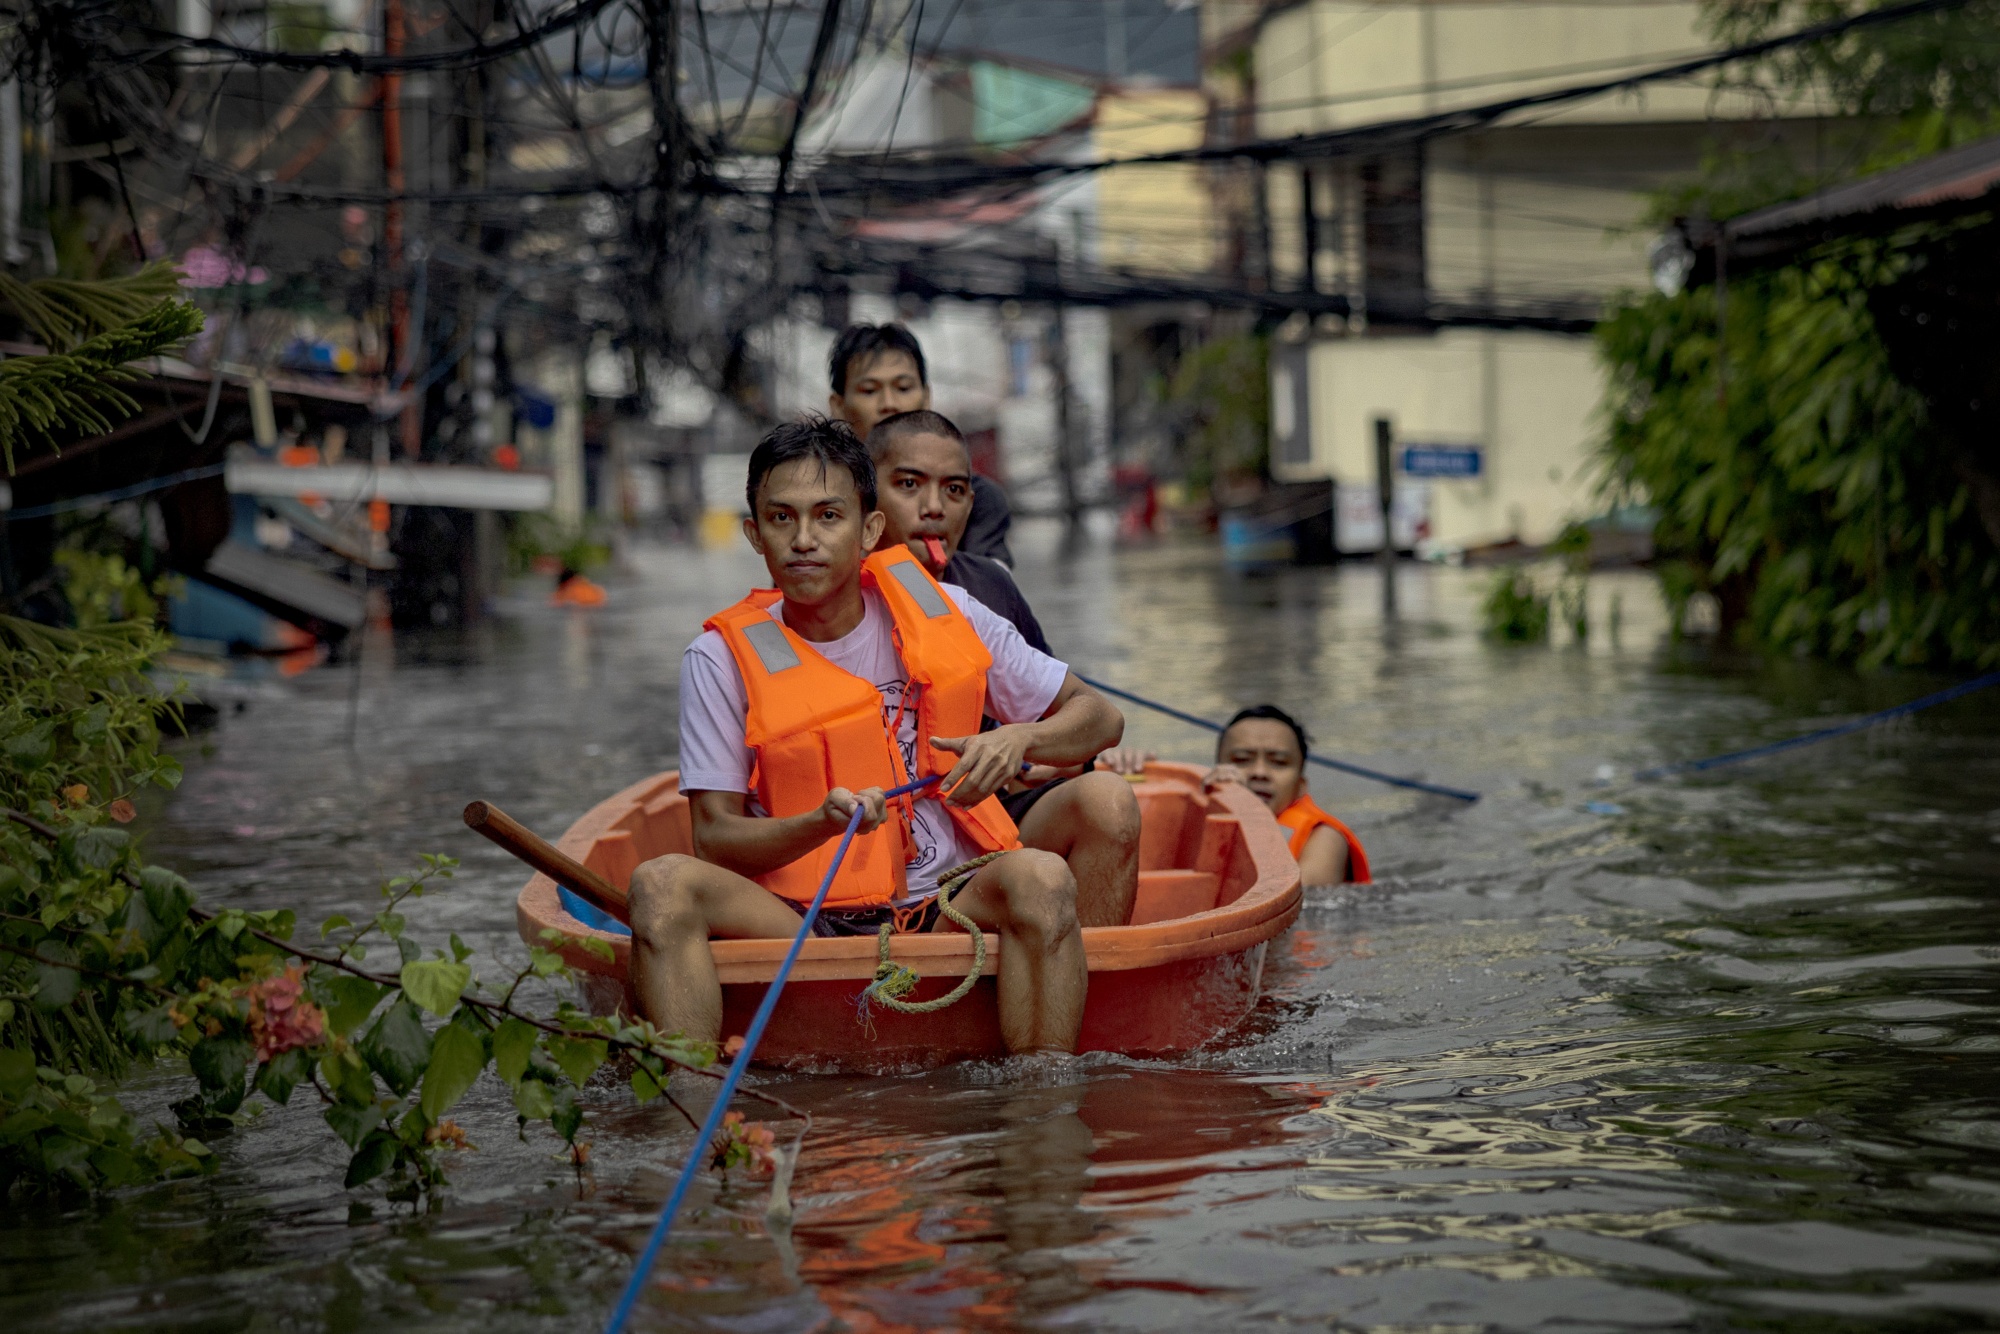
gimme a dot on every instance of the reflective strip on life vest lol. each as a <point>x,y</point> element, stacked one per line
<point>773,649</point>
<point>917,583</point>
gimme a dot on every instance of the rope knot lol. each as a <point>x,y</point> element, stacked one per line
<point>893,981</point>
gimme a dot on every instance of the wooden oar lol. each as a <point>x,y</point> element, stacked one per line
<point>487,819</point>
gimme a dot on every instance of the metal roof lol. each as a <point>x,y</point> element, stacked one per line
<point>1961,174</point>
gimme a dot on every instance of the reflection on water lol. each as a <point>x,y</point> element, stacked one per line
<point>1724,1060</point>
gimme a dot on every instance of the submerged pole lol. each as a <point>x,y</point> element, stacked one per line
<point>1385,484</point>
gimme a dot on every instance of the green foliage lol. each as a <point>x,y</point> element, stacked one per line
<point>1223,394</point>
<point>1514,611</point>
<point>103,590</point>
<point>77,389</point>
<point>1942,63</point>
<point>535,539</point>
<point>104,959</point>
<point>1793,473</point>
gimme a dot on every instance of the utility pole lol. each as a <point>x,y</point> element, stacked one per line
<point>1066,460</point>
<point>1385,485</point>
<point>402,356</point>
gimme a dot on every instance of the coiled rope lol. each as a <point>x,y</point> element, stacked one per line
<point>893,981</point>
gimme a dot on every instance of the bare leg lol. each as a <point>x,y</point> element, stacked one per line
<point>1092,822</point>
<point>1029,897</point>
<point>678,903</point>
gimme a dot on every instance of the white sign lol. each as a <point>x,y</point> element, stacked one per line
<point>1357,520</point>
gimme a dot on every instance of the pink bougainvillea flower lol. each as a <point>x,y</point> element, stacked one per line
<point>281,1018</point>
<point>123,811</point>
<point>750,1145</point>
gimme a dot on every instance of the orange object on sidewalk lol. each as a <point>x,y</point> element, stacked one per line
<point>577,591</point>
<point>378,516</point>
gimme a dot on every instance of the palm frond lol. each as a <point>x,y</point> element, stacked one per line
<point>64,312</point>
<point>43,395</point>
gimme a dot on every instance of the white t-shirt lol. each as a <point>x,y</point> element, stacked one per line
<point>1020,686</point>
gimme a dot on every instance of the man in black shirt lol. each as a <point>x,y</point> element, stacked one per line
<point>923,477</point>
<point>924,474</point>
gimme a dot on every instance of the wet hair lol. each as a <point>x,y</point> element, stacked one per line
<point>1276,715</point>
<point>863,343</point>
<point>921,422</point>
<point>833,443</point>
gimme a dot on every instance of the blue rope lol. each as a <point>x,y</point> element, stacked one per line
<point>706,1136</point>
<point>112,497</point>
<point>1824,734</point>
<point>1341,765</point>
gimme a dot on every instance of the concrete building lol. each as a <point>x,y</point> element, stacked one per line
<point>1526,228</point>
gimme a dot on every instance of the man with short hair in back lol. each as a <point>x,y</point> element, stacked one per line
<point>877,371</point>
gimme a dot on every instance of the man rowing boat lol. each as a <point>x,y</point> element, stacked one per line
<point>855,674</point>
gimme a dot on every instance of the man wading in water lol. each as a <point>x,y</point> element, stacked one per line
<point>801,703</point>
<point>924,472</point>
<point>1264,748</point>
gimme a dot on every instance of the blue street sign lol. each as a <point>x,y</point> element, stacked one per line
<point>1441,460</point>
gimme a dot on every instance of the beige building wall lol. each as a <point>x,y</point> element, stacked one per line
<point>1529,398</point>
<point>1553,212</point>
<point>1154,218</point>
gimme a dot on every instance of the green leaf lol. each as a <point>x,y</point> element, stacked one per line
<point>644,1087</point>
<point>277,1077</point>
<point>435,984</point>
<point>17,1073</point>
<point>154,1027</point>
<point>460,951</point>
<point>348,1076</point>
<point>99,846</point>
<point>513,1043</point>
<point>168,897</point>
<point>55,986</point>
<point>567,1117</point>
<point>376,1156</point>
<point>347,1000</point>
<point>219,1063</point>
<point>457,1057</point>
<point>578,1057</point>
<point>534,1100</point>
<point>397,1048</point>
<point>333,924</point>
<point>352,1124</point>
<point>30,750</point>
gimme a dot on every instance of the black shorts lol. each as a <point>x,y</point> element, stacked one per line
<point>832,925</point>
<point>1018,804</point>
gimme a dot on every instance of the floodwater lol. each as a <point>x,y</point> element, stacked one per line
<point>1725,1058</point>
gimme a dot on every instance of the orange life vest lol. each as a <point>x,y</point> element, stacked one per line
<point>813,727</point>
<point>1304,815</point>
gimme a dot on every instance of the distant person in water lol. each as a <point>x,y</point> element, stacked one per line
<point>1265,749</point>
<point>877,371</point>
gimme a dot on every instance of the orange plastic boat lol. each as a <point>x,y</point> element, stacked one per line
<point>1216,884</point>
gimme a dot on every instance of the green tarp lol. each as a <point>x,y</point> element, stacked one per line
<point>1011,106</point>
